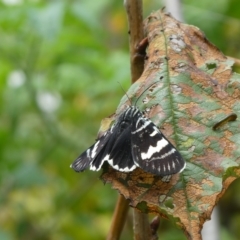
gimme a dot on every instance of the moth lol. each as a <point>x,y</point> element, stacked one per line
<point>132,141</point>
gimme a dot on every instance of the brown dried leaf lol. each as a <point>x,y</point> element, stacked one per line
<point>195,89</point>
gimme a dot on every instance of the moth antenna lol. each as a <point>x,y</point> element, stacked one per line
<point>144,92</point>
<point>125,93</point>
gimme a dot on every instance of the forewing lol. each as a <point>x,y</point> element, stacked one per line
<point>152,151</point>
<point>114,147</point>
<point>120,157</point>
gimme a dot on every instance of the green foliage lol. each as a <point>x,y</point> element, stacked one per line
<point>56,83</point>
<point>60,64</point>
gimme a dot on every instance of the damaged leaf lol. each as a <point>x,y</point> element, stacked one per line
<point>195,90</point>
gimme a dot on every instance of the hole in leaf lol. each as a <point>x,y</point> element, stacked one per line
<point>236,68</point>
<point>145,100</point>
<point>211,65</point>
<point>142,206</point>
<point>169,203</point>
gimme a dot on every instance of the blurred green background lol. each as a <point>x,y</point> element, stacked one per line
<point>60,64</point>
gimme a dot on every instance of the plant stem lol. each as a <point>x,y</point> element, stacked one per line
<point>135,24</point>
<point>136,35</point>
<point>141,226</point>
<point>118,220</point>
<point>142,229</point>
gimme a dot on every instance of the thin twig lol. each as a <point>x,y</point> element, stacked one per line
<point>141,228</point>
<point>154,227</point>
<point>135,24</point>
<point>118,219</point>
<point>136,35</point>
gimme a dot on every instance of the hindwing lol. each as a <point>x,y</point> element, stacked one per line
<point>152,151</point>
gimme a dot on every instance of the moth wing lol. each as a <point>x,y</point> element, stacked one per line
<point>86,159</point>
<point>152,151</point>
<point>120,157</point>
<point>113,147</point>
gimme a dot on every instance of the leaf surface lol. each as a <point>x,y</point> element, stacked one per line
<point>195,90</point>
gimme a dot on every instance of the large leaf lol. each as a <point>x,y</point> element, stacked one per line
<point>195,89</point>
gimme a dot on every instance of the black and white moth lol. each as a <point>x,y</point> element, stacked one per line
<point>133,141</point>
